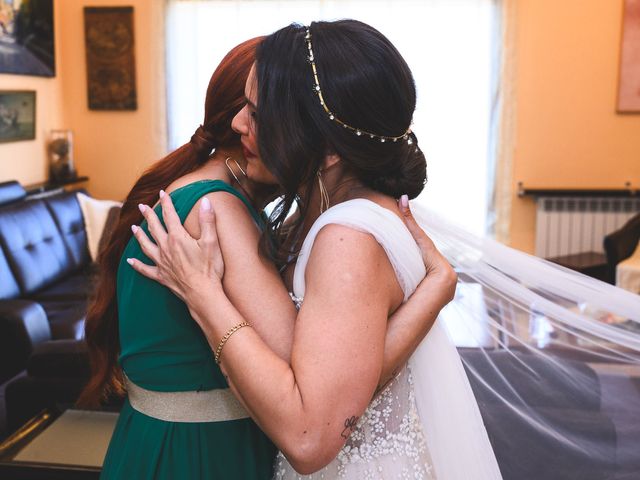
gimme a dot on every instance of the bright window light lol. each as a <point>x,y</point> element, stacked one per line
<point>447,44</point>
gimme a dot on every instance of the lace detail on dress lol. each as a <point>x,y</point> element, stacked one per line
<point>387,443</point>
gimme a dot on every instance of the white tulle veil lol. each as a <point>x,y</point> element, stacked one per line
<point>538,368</point>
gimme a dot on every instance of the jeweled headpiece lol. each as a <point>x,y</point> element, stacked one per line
<point>332,116</point>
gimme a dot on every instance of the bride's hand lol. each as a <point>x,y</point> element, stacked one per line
<point>438,268</point>
<point>182,263</point>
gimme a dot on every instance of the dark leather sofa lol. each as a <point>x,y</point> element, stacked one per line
<point>45,273</point>
<point>45,281</point>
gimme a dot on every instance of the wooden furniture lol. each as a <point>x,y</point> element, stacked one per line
<point>68,445</point>
<point>593,264</point>
<point>44,189</point>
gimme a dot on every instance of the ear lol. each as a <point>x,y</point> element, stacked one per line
<point>330,160</point>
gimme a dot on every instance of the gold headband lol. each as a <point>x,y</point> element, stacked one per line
<point>332,116</point>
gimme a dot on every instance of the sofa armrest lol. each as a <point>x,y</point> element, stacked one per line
<point>23,325</point>
<point>60,359</point>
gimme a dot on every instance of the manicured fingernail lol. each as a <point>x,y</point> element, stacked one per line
<point>130,261</point>
<point>141,207</point>
<point>206,204</point>
<point>134,228</point>
<point>161,193</point>
<point>404,201</point>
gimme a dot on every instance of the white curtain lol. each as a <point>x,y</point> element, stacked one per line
<point>449,45</point>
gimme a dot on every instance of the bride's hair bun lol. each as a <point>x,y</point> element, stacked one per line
<point>406,173</point>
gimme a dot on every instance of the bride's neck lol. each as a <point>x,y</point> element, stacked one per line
<point>340,186</point>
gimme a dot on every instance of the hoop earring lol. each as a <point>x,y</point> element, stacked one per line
<point>324,195</point>
<point>226,162</point>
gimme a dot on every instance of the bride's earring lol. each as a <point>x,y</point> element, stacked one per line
<point>226,162</point>
<point>324,195</point>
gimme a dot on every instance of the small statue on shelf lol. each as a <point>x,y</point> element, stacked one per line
<point>61,168</point>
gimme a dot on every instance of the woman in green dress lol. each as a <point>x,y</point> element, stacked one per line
<point>179,419</point>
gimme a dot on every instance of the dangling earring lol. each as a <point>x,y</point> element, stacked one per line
<point>324,195</point>
<point>226,162</point>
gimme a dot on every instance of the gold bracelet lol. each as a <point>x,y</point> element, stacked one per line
<point>226,337</point>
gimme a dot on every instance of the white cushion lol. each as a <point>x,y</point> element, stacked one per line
<point>628,272</point>
<point>95,214</point>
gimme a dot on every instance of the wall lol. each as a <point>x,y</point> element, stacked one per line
<point>26,161</point>
<point>112,148</point>
<point>567,132</point>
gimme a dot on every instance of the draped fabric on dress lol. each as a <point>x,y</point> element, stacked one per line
<point>420,424</point>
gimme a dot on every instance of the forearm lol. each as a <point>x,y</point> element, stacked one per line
<point>263,301</point>
<point>265,383</point>
<point>409,325</point>
<point>336,362</point>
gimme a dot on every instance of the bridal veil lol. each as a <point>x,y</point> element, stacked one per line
<point>540,360</point>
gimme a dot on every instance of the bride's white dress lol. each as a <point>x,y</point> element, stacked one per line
<point>392,438</point>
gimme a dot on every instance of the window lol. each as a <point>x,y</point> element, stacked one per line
<point>447,44</point>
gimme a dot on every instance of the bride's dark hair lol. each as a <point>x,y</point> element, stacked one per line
<point>365,82</point>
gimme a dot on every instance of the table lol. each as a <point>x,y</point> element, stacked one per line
<point>68,445</point>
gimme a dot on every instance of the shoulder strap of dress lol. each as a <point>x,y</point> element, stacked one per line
<point>186,197</point>
<point>388,230</point>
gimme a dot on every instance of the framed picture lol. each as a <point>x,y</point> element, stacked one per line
<point>111,70</point>
<point>629,87</point>
<point>26,37</point>
<point>17,115</point>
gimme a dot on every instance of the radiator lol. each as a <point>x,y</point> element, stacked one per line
<point>567,225</point>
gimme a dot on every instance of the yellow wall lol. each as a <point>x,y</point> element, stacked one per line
<point>112,148</point>
<point>568,134</point>
<point>26,161</point>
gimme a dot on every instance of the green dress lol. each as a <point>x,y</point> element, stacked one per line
<point>163,349</point>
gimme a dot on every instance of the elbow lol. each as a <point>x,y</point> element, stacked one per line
<point>308,455</point>
<point>449,283</point>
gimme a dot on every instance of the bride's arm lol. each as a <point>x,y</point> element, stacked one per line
<point>255,288</point>
<point>412,321</point>
<point>308,408</point>
<point>194,264</point>
<point>251,283</point>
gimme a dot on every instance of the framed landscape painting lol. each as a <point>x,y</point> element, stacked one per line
<point>17,115</point>
<point>629,87</point>
<point>26,37</point>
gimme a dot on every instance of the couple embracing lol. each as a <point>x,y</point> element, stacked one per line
<point>303,344</point>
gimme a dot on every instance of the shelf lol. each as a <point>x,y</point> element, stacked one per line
<point>628,192</point>
<point>37,188</point>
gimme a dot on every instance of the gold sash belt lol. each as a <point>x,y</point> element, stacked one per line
<point>189,407</point>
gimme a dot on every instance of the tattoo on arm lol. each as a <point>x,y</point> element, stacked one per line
<point>349,426</point>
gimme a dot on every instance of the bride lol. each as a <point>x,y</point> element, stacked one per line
<point>327,118</point>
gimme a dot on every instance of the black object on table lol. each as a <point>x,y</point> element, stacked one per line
<point>593,264</point>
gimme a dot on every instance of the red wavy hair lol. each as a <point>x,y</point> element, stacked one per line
<point>225,98</point>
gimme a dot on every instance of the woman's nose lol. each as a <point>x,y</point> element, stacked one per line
<point>239,123</point>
